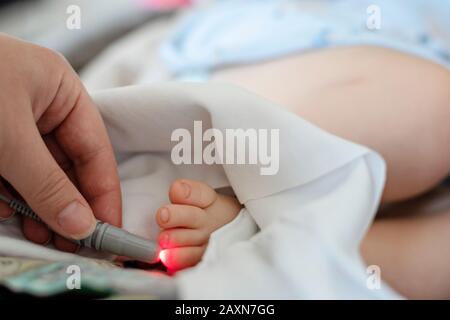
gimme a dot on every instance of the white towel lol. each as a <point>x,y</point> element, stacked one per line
<point>299,233</point>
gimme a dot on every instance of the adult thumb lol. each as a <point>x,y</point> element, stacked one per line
<point>31,169</point>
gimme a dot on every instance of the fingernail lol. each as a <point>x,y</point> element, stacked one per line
<point>186,189</point>
<point>76,220</point>
<point>164,215</point>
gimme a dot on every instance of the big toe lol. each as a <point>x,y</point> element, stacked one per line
<point>192,192</point>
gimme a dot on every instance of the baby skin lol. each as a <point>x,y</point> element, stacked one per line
<point>196,210</point>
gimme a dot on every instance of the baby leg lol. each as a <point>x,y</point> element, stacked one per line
<point>396,104</point>
<point>413,253</point>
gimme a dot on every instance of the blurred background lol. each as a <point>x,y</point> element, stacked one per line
<point>44,22</point>
<point>135,42</point>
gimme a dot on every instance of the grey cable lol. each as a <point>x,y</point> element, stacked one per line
<point>105,237</point>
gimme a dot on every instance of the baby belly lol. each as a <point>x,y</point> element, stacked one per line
<point>287,79</point>
<point>292,80</point>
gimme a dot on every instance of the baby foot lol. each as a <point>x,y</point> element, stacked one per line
<point>196,210</point>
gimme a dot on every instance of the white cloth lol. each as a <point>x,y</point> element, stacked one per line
<point>299,233</point>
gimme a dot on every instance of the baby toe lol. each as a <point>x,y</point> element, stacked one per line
<point>173,238</point>
<point>180,216</point>
<point>192,192</point>
<point>180,258</point>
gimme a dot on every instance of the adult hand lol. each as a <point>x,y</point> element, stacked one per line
<point>54,149</point>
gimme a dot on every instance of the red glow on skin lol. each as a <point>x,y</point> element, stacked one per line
<point>169,254</point>
<point>166,255</point>
<point>164,241</point>
<point>163,256</point>
<point>167,258</point>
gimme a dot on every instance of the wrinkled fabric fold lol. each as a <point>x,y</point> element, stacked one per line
<point>299,233</point>
<point>306,222</point>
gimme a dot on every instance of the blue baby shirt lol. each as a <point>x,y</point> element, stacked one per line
<point>230,32</point>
